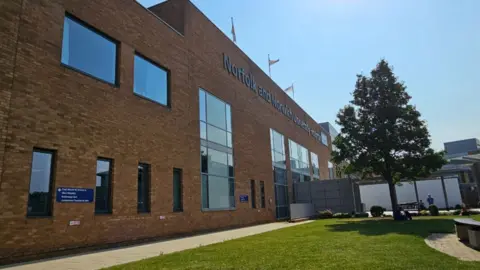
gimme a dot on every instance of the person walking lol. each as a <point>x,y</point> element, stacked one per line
<point>430,200</point>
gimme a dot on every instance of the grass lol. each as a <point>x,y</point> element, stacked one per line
<point>323,244</point>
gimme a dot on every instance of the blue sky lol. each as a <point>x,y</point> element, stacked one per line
<point>434,46</point>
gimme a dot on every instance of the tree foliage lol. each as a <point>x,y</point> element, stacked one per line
<point>382,134</point>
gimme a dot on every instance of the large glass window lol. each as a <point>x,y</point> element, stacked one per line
<point>143,187</point>
<point>218,185</point>
<point>278,148</point>
<point>88,51</point>
<point>41,175</point>
<point>150,80</point>
<point>315,166</point>
<point>299,163</point>
<point>277,145</point>
<point>103,186</point>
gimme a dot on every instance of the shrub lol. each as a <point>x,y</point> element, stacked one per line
<point>474,212</point>
<point>464,212</point>
<point>337,215</point>
<point>423,213</point>
<point>457,212</point>
<point>458,207</point>
<point>342,215</point>
<point>361,215</point>
<point>387,215</point>
<point>325,214</point>
<point>376,211</point>
<point>433,209</point>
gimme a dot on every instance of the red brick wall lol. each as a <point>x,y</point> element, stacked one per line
<point>57,108</point>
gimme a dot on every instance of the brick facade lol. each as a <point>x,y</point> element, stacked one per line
<point>44,104</point>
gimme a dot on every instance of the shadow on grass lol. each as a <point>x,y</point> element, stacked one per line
<point>372,227</point>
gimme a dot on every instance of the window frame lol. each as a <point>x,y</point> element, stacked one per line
<point>207,124</point>
<point>301,170</point>
<point>90,27</point>
<point>323,136</point>
<point>218,147</point>
<point>274,151</point>
<point>147,188</point>
<point>156,64</point>
<point>49,212</point>
<point>110,188</point>
<point>315,166</point>
<point>180,171</point>
<point>262,194</point>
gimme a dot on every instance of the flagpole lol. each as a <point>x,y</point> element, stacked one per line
<point>269,69</point>
<point>293,90</point>
<point>233,32</point>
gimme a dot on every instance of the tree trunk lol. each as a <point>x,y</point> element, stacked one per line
<point>393,199</point>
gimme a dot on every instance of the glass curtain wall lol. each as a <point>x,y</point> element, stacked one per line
<point>280,174</point>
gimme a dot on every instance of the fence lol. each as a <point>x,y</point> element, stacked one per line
<point>378,194</point>
<point>339,195</point>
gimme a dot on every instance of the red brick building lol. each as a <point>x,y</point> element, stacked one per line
<point>120,123</point>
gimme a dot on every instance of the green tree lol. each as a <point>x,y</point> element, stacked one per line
<point>382,135</point>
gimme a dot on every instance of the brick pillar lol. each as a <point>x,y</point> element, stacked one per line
<point>10,12</point>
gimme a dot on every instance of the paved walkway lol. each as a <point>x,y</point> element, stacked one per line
<point>117,256</point>
<point>449,244</point>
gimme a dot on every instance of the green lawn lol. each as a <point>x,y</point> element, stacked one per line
<point>324,244</point>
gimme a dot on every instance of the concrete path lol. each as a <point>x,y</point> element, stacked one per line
<point>449,244</point>
<point>106,258</point>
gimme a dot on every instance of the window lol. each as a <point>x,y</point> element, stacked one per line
<point>324,139</point>
<point>88,51</point>
<point>262,194</point>
<point>278,149</point>
<point>103,186</point>
<point>299,162</point>
<point>253,194</point>
<point>331,170</point>
<point>315,166</point>
<point>218,185</point>
<point>41,178</point>
<point>143,188</point>
<point>299,158</point>
<point>177,190</point>
<point>150,81</point>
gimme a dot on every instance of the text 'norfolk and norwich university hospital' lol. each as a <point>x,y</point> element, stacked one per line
<point>120,123</point>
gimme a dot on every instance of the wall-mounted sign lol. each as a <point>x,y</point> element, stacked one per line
<point>74,195</point>
<point>74,223</point>
<point>249,81</point>
<point>243,198</point>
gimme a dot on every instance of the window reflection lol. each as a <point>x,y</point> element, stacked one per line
<point>218,185</point>
<point>150,81</point>
<point>299,162</point>
<point>102,190</point>
<point>40,195</point>
<point>88,51</point>
<point>216,112</point>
